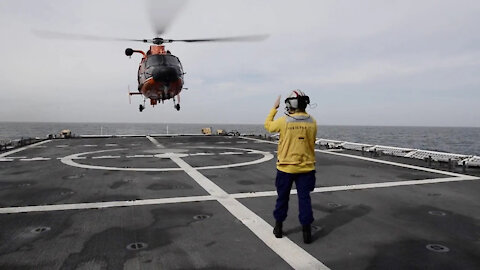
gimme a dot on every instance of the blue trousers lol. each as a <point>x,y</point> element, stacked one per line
<point>305,183</point>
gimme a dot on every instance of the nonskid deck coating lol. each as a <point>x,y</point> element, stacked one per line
<point>369,215</point>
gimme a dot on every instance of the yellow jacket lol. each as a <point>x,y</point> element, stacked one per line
<point>296,147</point>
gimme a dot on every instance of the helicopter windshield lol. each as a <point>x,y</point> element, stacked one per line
<point>169,60</point>
<point>154,60</point>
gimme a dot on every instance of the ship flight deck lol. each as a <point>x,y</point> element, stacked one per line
<point>206,202</point>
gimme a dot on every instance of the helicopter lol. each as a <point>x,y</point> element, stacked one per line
<point>160,73</point>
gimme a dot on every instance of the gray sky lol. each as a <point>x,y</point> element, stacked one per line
<point>362,62</point>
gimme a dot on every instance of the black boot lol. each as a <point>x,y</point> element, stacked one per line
<point>277,231</point>
<point>307,234</point>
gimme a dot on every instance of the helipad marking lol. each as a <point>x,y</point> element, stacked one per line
<point>22,148</point>
<point>294,255</point>
<point>35,159</point>
<point>201,154</point>
<point>98,205</point>
<point>105,157</point>
<point>71,160</point>
<point>154,141</point>
<point>111,144</point>
<point>17,157</point>
<point>140,156</point>
<point>89,145</point>
<point>231,153</point>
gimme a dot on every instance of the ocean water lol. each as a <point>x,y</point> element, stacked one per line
<point>459,140</point>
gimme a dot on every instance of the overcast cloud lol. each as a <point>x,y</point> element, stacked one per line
<point>362,62</point>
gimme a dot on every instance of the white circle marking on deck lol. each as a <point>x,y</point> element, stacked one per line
<point>72,160</point>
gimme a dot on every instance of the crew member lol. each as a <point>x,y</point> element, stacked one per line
<point>296,160</point>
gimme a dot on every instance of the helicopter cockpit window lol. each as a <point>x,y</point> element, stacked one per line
<point>171,60</point>
<point>155,60</point>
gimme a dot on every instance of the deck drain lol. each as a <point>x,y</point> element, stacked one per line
<point>437,213</point>
<point>437,248</point>
<point>316,228</point>
<point>201,217</point>
<point>137,246</point>
<point>333,205</point>
<point>41,229</point>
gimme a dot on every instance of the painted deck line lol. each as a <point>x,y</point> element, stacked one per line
<point>361,186</point>
<point>379,161</point>
<point>140,156</point>
<point>396,164</point>
<point>23,148</point>
<point>135,135</point>
<point>110,136</point>
<point>258,140</point>
<point>69,160</point>
<point>334,150</point>
<point>177,135</point>
<point>154,141</point>
<point>294,255</point>
<point>231,153</point>
<point>105,157</point>
<point>99,205</point>
<point>35,159</point>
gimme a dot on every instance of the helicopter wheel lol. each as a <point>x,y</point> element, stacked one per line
<point>141,107</point>
<point>177,106</point>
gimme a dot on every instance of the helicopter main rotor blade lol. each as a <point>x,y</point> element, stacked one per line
<point>58,35</point>
<point>222,39</point>
<point>162,13</point>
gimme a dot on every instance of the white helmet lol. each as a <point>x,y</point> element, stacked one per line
<point>297,100</point>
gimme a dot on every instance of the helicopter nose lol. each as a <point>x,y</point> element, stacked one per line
<point>164,74</point>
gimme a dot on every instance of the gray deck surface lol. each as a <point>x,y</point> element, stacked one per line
<point>84,203</point>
